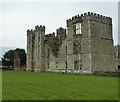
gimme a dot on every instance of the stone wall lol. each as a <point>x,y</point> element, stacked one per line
<point>117,56</point>
<point>17,61</point>
<point>30,48</point>
<point>85,46</point>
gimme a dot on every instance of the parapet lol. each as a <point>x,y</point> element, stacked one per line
<point>40,28</point>
<point>61,32</point>
<point>73,20</point>
<point>37,28</point>
<point>89,16</point>
<point>50,35</point>
<point>61,28</point>
<point>30,31</point>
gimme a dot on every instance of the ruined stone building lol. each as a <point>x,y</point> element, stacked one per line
<point>17,61</point>
<point>85,46</point>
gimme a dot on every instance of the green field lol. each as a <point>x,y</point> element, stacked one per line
<point>19,85</point>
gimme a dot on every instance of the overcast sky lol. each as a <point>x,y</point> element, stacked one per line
<point>18,17</point>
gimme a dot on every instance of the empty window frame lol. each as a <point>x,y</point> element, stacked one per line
<point>76,65</point>
<point>118,54</point>
<point>66,50</point>
<point>76,47</point>
<point>78,28</point>
<point>48,53</point>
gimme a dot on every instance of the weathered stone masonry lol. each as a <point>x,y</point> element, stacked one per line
<point>85,46</point>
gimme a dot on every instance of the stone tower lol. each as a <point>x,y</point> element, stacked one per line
<point>96,41</point>
<point>30,49</point>
<point>39,48</point>
<point>35,49</point>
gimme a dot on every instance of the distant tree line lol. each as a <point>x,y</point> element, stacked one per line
<point>8,57</point>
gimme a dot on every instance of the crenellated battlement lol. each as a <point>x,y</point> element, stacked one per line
<point>61,33</point>
<point>50,35</point>
<point>30,32</point>
<point>37,28</point>
<point>40,28</point>
<point>89,16</point>
<point>60,30</point>
<point>95,15</point>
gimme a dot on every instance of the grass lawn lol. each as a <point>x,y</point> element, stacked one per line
<point>19,85</point>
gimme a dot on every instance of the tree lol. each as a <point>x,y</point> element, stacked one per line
<point>8,57</point>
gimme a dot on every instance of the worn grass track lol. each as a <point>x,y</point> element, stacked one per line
<point>19,85</point>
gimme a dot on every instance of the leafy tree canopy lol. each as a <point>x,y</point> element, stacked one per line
<point>8,57</point>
